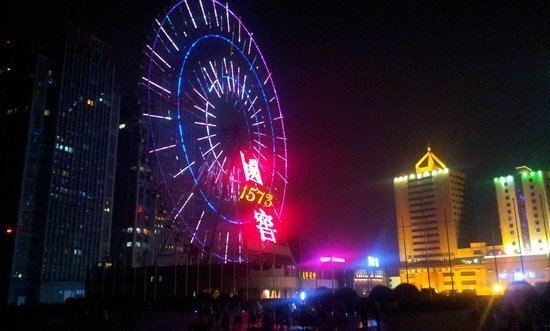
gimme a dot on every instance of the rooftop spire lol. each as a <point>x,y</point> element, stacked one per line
<point>429,162</point>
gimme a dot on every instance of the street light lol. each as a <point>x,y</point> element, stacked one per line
<point>303,296</point>
<point>497,288</point>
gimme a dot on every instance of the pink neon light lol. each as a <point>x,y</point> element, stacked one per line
<point>325,259</point>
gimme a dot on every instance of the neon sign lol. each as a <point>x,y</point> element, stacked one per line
<point>253,194</point>
<point>373,262</point>
<point>251,170</point>
<point>265,225</point>
<point>308,275</point>
<point>325,259</point>
<point>264,221</point>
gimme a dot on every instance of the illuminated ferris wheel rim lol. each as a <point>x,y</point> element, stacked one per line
<point>252,41</point>
<point>195,42</point>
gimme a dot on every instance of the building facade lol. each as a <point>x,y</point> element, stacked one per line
<point>523,203</point>
<point>133,235</point>
<point>53,252</point>
<point>28,99</point>
<point>429,209</point>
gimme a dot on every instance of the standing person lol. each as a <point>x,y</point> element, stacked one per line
<point>225,319</point>
<point>237,318</point>
<point>246,318</point>
<point>268,321</point>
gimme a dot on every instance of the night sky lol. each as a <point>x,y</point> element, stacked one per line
<point>365,86</point>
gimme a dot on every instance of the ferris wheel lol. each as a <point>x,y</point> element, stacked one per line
<point>216,130</point>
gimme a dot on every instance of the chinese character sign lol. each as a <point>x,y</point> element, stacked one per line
<point>265,225</point>
<point>251,170</point>
<point>259,197</point>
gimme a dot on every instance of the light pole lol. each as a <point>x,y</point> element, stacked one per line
<point>405,249</point>
<point>449,250</point>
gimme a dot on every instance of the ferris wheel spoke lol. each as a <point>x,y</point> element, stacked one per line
<point>162,148</point>
<point>227,16</point>
<point>197,227</point>
<point>156,85</point>
<point>168,118</point>
<point>205,111</point>
<point>226,245</point>
<point>215,159</point>
<point>260,153</point>
<point>183,206</point>
<point>191,14</point>
<point>210,149</point>
<point>256,113</point>
<point>205,124</point>
<point>161,68</point>
<point>182,170</point>
<point>203,97</point>
<point>206,76</point>
<point>221,170</point>
<point>207,137</point>
<point>167,36</point>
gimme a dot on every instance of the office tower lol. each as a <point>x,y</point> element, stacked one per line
<point>523,206</point>
<point>133,234</point>
<point>28,101</point>
<point>429,209</point>
<point>53,252</point>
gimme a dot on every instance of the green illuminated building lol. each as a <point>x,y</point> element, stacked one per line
<point>523,206</point>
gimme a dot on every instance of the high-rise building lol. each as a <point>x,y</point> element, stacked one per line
<point>523,206</point>
<point>429,209</point>
<point>72,230</point>
<point>133,235</point>
<point>28,101</point>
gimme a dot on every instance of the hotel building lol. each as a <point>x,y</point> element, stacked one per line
<point>523,201</point>
<point>430,207</point>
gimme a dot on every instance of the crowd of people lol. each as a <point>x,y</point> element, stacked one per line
<point>519,308</point>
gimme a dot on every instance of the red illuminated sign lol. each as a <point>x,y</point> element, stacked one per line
<point>260,198</point>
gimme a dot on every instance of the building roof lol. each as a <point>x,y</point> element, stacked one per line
<point>429,162</point>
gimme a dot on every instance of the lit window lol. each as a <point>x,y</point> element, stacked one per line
<point>122,126</point>
<point>46,112</point>
<point>90,102</point>
<point>128,244</point>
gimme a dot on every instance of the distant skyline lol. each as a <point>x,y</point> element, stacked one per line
<point>365,87</point>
